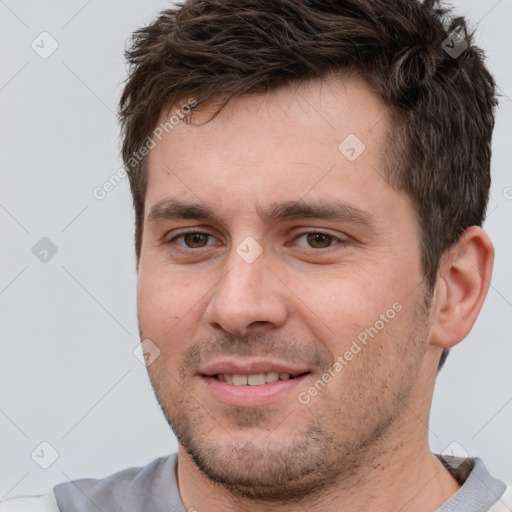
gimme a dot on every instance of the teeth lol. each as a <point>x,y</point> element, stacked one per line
<point>271,376</point>
<point>256,379</point>
<point>240,380</point>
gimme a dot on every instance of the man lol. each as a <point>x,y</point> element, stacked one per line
<point>309,181</point>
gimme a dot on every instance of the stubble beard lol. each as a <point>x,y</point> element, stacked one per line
<point>331,447</point>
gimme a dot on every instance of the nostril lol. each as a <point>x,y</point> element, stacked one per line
<point>258,322</point>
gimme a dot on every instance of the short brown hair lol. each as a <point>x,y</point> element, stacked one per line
<point>441,103</point>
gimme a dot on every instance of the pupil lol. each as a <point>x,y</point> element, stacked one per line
<point>319,238</point>
<point>194,239</point>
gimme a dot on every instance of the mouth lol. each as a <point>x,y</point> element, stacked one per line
<point>255,379</point>
<point>252,383</point>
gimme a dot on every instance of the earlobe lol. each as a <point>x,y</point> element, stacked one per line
<point>463,281</point>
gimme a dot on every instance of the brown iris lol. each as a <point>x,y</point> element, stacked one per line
<point>322,239</point>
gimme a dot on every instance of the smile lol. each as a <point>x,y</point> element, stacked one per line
<point>256,379</point>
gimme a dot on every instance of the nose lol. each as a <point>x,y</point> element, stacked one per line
<point>250,296</point>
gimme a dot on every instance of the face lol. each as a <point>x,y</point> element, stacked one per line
<point>280,279</point>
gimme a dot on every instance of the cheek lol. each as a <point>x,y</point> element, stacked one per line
<point>161,314</point>
<point>169,311</point>
<point>345,301</point>
<point>364,321</point>
<point>160,304</point>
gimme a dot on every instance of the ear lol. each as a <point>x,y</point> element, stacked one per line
<point>463,281</point>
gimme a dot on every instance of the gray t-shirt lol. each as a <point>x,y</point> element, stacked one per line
<point>153,488</point>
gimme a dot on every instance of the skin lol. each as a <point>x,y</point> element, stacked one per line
<point>362,440</point>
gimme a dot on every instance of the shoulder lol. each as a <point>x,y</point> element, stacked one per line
<point>130,489</point>
<point>504,503</point>
<point>142,488</point>
<point>479,489</point>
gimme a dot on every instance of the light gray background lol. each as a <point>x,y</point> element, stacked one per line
<point>68,375</point>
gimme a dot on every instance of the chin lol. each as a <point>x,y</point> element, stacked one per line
<point>263,472</point>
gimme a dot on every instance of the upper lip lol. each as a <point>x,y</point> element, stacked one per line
<point>251,367</point>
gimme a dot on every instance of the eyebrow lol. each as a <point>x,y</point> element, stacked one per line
<point>174,209</point>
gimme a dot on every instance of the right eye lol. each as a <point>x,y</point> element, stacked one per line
<point>191,240</point>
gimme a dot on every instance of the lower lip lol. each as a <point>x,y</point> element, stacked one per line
<point>251,396</point>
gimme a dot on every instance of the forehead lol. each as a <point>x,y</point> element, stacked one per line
<point>322,139</point>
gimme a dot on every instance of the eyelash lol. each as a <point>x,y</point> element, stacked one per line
<point>179,249</point>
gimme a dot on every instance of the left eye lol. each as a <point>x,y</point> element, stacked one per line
<point>193,240</point>
<point>318,240</point>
